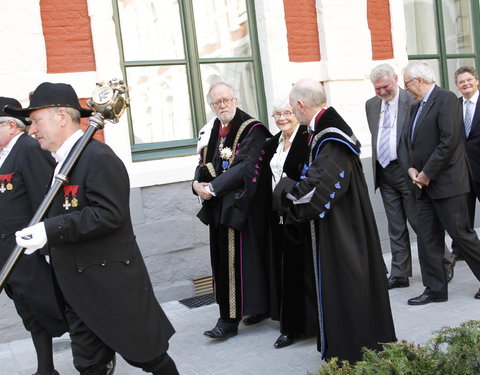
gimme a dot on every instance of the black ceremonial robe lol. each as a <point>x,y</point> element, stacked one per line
<point>353,301</point>
<point>237,217</point>
<point>291,266</point>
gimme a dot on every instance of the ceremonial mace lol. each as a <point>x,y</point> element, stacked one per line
<point>107,103</point>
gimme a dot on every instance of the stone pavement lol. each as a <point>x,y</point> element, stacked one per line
<point>251,352</point>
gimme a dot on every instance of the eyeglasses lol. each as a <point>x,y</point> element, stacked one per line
<point>285,114</point>
<point>226,101</point>
<point>406,83</point>
<point>468,80</point>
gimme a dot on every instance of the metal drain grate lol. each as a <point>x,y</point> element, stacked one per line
<point>197,301</point>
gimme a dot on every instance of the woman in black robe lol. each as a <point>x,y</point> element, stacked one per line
<point>292,262</point>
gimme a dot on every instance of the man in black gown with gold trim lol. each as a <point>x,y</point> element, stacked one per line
<point>229,180</point>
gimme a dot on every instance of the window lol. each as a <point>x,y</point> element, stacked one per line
<point>171,52</point>
<point>443,32</point>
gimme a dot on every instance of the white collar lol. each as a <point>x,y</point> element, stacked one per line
<point>473,99</point>
<point>12,142</point>
<point>61,154</point>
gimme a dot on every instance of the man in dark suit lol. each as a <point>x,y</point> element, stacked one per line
<point>25,172</point>
<point>109,301</point>
<point>388,113</point>
<point>439,170</point>
<point>466,79</point>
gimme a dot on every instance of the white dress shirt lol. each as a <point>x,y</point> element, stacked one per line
<point>6,150</point>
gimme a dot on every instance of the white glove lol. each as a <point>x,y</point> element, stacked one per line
<point>32,238</point>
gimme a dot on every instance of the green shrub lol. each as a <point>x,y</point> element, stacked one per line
<point>452,351</point>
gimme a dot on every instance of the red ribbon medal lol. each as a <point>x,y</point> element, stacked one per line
<point>6,182</point>
<point>70,190</point>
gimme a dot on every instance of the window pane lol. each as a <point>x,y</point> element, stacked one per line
<point>222,28</point>
<point>453,65</point>
<point>458,26</point>
<point>420,25</point>
<point>151,29</point>
<point>237,75</point>
<point>159,104</point>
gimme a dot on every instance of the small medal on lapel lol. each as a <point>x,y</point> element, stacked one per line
<point>6,182</point>
<point>66,191</point>
<point>70,190</point>
<point>74,191</point>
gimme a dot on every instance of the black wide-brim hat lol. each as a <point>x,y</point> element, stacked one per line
<point>49,94</point>
<point>14,103</point>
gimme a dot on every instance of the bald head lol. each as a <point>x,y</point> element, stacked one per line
<point>307,97</point>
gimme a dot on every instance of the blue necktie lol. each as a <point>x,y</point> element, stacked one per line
<point>384,145</point>
<point>416,118</point>
<point>468,117</point>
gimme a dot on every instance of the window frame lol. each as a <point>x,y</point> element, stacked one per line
<point>192,62</point>
<point>442,57</point>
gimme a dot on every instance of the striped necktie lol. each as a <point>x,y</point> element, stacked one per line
<point>468,117</point>
<point>384,145</point>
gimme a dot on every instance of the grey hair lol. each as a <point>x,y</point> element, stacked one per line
<point>209,99</point>
<point>19,123</point>
<point>309,91</point>
<point>281,104</point>
<point>381,71</point>
<point>72,112</point>
<point>420,69</point>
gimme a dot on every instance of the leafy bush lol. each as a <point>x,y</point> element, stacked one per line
<point>452,351</point>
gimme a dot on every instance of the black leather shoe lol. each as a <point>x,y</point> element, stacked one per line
<point>254,319</point>
<point>449,267</point>
<point>55,372</point>
<point>425,298</point>
<point>477,295</point>
<point>221,333</point>
<point>398,282</point>
<point>284,340</point>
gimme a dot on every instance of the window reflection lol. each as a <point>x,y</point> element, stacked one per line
<point>458,26</point>
<point>159,103</point>
<point>151,30</point>
<point>222,28</point>
<point>420,25</point>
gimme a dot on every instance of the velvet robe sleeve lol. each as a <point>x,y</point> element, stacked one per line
<point>328,176</point>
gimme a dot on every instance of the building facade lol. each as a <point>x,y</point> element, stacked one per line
<point>170,51</point>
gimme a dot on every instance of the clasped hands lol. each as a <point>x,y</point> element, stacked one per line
<point>201,190</point>
<point>32,238</point>
<point>418,178</point>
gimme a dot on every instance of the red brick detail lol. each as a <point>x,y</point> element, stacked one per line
<point>378,14</point>
<point>302,30</point>
<point>99,135</point>
<point>68,37</point>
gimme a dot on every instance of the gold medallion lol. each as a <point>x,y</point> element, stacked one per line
<point>74,202</point>
<point>9,186</point>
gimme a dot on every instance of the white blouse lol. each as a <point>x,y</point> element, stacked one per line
<point>278,159</point>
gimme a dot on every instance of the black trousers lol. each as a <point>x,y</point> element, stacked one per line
<point>91,355</point>
<point>434,217</point>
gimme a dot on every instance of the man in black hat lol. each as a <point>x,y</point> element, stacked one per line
<point>25,171</point>
<point>109,301</point>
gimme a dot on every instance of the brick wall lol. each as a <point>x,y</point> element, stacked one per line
<point>68,37</point>
<point>378,14</point>
<point>302,30</point>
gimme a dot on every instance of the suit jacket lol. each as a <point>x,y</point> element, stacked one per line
<point>437,147</point>
<point>472,145</point>
<point>31,281</point>
<point>372,108</point>
<point>96,259</point>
